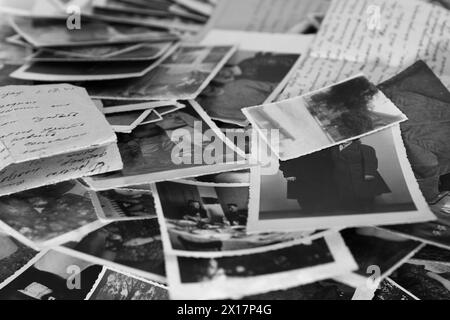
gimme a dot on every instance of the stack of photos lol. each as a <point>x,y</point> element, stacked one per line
<point>184,143</point>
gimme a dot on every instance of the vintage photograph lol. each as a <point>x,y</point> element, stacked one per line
<point>363,182</point>
<point>180,145</point>
<point>254,75</point>
<point>113,285</point>
<point>207,219</point>
<point>48,215</point>
<point>181,76</point>
<point>426,276</point>
<point>324,118</point>
<point>127,121</point>
<point>13,256</point>
<point>131,246</point>
<point>375,247</point>
<point>124,204</point>
<point>47,277</point>
<point>116,106</point>
<point>239,276</point>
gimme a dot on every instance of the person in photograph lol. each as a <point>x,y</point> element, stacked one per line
<point>195,212</point>
<point>310,181</point>
<point>245,84</point>
<point>235,216</point>
<point>356,176</point>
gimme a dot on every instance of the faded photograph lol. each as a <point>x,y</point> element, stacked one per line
<point>118,286</point>
<point>134,244</point>
<point>388,290</point>
<point>246,80</point>
<point>325,118</point>
<point>48,212</point>
<point>48,278</point>
<point>181,76</point>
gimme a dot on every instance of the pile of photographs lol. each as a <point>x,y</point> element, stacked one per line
<point>231,167</point>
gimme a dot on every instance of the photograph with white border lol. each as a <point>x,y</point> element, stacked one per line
<point>368,182</point>
<point>324,118</point>
<point>238,276</point>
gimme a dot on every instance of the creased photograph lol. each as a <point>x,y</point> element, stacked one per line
<point>324,118</point>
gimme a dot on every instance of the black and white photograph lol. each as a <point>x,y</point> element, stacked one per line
<point>180,145</point>
<point>254,75</point>
<point>155,150</point>
<point>426,276</point>
<point>209,220</point>
<point>51,275</point>
<point>13,256</point>
<point>113,285</point>
<point>124,204</point>
<point>129,246</point>
<point>181,76</point>
<point>363,182</point>
<point>239,276</point>
<point>324,118</point>
<point>48,215</point>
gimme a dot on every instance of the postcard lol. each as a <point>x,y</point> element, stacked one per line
<point>114,285</point>
<point>128,246</point>
<point>52,133</point>
<point>86,70</point>
<point>363,183</point>
<point>183,144</point>
<point>50,215</point>
<point>239,276</point>
<point>181,76</point>
<point>124,204</point>
<point>324,118</point>
<point>48,32</point>
<point>209,220</point>
<point>426,275</point>
<point>51,275</point>
<point>254,75</point>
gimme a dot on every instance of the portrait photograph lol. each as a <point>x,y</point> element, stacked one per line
<point>367,181</point>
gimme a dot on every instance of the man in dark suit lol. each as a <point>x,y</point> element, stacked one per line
<point>356,175</point>
<point>310,181</point>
